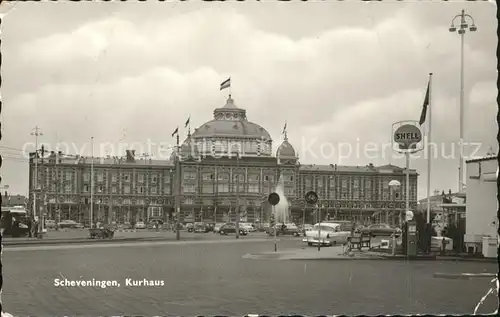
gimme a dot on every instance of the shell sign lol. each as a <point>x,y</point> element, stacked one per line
<point>407,136</point>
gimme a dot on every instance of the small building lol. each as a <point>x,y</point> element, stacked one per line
<point>481,204</point>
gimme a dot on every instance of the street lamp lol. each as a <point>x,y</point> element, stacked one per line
<point>461,30</point>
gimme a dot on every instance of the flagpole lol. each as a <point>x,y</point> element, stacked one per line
<point>429,152</point>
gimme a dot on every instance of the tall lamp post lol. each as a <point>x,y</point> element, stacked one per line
<point>36,133</point>
<point>461,30</point>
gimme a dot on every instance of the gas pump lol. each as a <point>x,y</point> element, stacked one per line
<point>412,235</point>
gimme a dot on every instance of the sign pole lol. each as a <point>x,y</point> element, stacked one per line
<point>275,231</point>
<point>319,230</point>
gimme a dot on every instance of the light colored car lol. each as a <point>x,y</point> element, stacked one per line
<point>68,224</point>
<point>326,234</point>
<point>247,226</point>
<point>305,228</point>
<point>217,227</point>
<point>50,224</point>
<point>140,225</point>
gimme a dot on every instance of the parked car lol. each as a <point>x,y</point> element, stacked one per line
<point>155,222</point>
<point>200,228</point>
<point>247,226</point>
<point>284,229</point>
<point>231,228</point>
<point>383,230</point>
<point>305,228</point>
<point>327,234</point>
<point>140,225</point>
<point>189,227</point>
<point>69,224</point>
<point>50,224</point>
<point>217,227</point>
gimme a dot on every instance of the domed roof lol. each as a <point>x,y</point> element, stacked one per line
<point>285,149</point>
<point>231,122</point>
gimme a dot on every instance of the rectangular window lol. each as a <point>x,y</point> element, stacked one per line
<point>67,188</point>
<point>100,176</point>
<point>166,190</point>
<point>356,183</point>
<point>113,177</point>
<point>85,188</point>
<point>140,178</point>
<point>289,191</point>
<point>86,177</point>
<point>241,177</point>
<point>166,179</point>
<point>208,176</point>
<point>114,189</point>
<point>127,201</point>
<point>223,188</point>
<point>253,177</point>
<point>140,189</point>
<point>139,201</point>
<point>355,194</point>
<point>100,189</point>
<point>308,182</point>
<point>153,190</point>
<point>223,176</point>
<point>253,188</point>
<point>320,182</point>
<point>126,189</point>
<point>288,178</point>
<point>188,188</point>
<point>189,175</point>
<point>368,183</point>
<point>126,177</point>
<point>68,175</point>
<point>344,183</point>
<point>269,178</point>
<point>208,189</point>
<point>154,179</point>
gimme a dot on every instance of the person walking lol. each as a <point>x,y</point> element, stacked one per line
<point>30,225</point>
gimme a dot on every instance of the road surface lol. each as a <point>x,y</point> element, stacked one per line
<point>211,277</point>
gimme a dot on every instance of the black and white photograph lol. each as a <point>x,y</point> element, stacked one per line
<point>249,158</point>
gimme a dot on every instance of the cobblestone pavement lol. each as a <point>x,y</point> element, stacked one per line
<point>214,278</point>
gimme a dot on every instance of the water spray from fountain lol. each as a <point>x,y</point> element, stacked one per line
<point>282,209</point>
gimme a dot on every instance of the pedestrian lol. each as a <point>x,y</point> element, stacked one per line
<point>30,224</point>
<point>35,233</point>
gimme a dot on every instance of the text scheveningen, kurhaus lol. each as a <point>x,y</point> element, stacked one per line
<point>129,282</point>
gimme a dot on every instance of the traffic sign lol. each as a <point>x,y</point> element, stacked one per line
<point>407,136</point>
<point>273,199</point>
<point>311,197</point>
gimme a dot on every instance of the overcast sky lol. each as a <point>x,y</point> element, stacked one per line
<point>338,73</point>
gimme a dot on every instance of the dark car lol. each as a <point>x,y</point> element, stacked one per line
<point>383,230</point>
<point>231,228</point>
<point>201,228</point>
<point>289,229</point>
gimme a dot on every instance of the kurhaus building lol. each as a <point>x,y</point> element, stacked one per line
<point>216,183</point>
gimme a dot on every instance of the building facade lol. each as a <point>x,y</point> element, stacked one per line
<point>227,169</point>
<point>482,202</point>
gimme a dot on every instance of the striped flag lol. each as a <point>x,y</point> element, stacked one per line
<point>284,129</point>
<point>187,122</point>
<point>225,84</point>
<point>426,104</point>
<point>175,132</point>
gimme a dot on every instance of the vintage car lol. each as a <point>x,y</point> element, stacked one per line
<point>381,229</point>
<point>217,227</point>
<point>231,228</point>
<point>247,226</point>
<point>200,227</point>
<point>284,229</point>
<point>327,234</point>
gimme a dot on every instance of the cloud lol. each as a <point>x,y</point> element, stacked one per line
<point>339,83</point>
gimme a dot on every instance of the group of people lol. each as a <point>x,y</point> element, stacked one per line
<point>30,222</point>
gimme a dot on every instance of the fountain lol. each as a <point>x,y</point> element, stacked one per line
<point>282,209</point>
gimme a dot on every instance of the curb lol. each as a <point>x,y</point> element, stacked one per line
<point>464,276</point>
<point>82,241</point>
